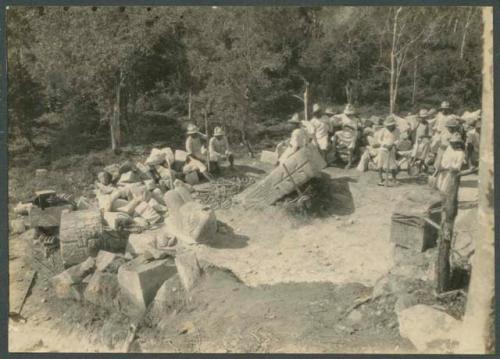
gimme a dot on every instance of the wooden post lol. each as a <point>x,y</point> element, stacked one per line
<point>208,139</point>
<point>478,328</point>
<point>190,101</point>
<point>115,118</point>
<point>306,102</point>
<point>448,213</point>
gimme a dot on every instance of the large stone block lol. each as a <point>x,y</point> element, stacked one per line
<point>144,210</point>
<point>192,223</point>
<point>108,261</point>
<point>69,284</point>
<point>79,235</point>
<point>140,243</point>
<point>17,226</point>
<point>102,290</point>
<point>116,220</point>
<point>140,281</point>
<point>188,268</point>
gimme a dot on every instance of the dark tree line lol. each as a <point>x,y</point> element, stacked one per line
<point>82,77</point>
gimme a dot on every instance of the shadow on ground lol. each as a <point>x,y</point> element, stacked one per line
<point>227,239</point>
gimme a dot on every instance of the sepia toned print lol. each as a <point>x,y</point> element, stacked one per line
<point>220,179</point>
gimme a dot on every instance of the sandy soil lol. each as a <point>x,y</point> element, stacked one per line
<point>297,282</point>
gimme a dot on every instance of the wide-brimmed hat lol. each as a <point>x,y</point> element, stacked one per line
<point>316,108</point>
<point>389,121</point>
<point>445,105</point>
<point>456,138</point>
<point>423,113</point>
<point>350,110</point>
<point>218,131</point>
<point>452,122</point>
<point>294,119</point>
<point>329,111</point>
<point>192,129</point>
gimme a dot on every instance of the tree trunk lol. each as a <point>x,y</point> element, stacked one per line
<point>115,118</point>
<point>392,85</point>
<point>478,334</point>
<point>464,35</point>
<point>414,90</point>
<point>306,102</point>
<point>190,103</point>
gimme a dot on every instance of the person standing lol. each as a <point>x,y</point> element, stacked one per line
<point>452,161</point>
<point>421,139</point>
<point>219,151</point>
<point>389,139</point>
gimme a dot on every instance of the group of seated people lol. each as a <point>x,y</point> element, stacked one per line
<point>430,141</point>
<point>206,161</point>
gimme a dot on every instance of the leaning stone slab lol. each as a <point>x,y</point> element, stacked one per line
<point>140,282</point>
<point>108,261</point>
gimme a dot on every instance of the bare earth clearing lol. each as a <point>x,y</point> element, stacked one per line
<point>293,287</point>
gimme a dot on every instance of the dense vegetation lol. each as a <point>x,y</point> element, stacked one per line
<point>74,71</point>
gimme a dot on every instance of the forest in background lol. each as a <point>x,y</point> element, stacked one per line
<point>76,72</point>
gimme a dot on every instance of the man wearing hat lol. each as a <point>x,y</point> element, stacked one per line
<point>421,138</point>
<point>319,130</point>
<point>298,139</point>
<point>350,116</point>
<point>389,139</point>
<point>371,138</point>
<point>218,148</point>
<point>196,157</point>
<point>444,114</point>
<point>451,163</point>
<point>442,142</point>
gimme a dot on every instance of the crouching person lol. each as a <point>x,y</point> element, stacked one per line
<point>196,159</point>
<point>298,139</point>
<point>218,148</point>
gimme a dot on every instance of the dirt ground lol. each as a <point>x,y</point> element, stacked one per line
<point>294,285</point>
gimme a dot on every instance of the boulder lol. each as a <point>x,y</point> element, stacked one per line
<point>173,200</point>
<point>116,220</point>
<point>144,210</point>
<point>108,261</point>
<point>139,243</point>
<point>30,235</point>
<point>23,208</point>
<point>169,155</point>
<point>129,177</point>
<point>423,325</point>
<point>157,157</point>
<point>79,235</point>
<point>158,207</point>
<point>69,284</point>
<point>188,268</point>
<point>102,290</point>
<point>180,156</point>
<point>196,222</point>
<point>140,281</point>
<point>144,170</point>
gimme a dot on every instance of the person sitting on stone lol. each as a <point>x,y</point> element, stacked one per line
<point>371,139</point>
<point>344,144</point>
<point>452,126</point>
<point>103,183</point>
<point>319,130</point>
<point>219,151</point>
<point>298,139</point>
<point>196,154</point>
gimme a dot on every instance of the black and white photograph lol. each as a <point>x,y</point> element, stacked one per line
<point>250,179</point>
